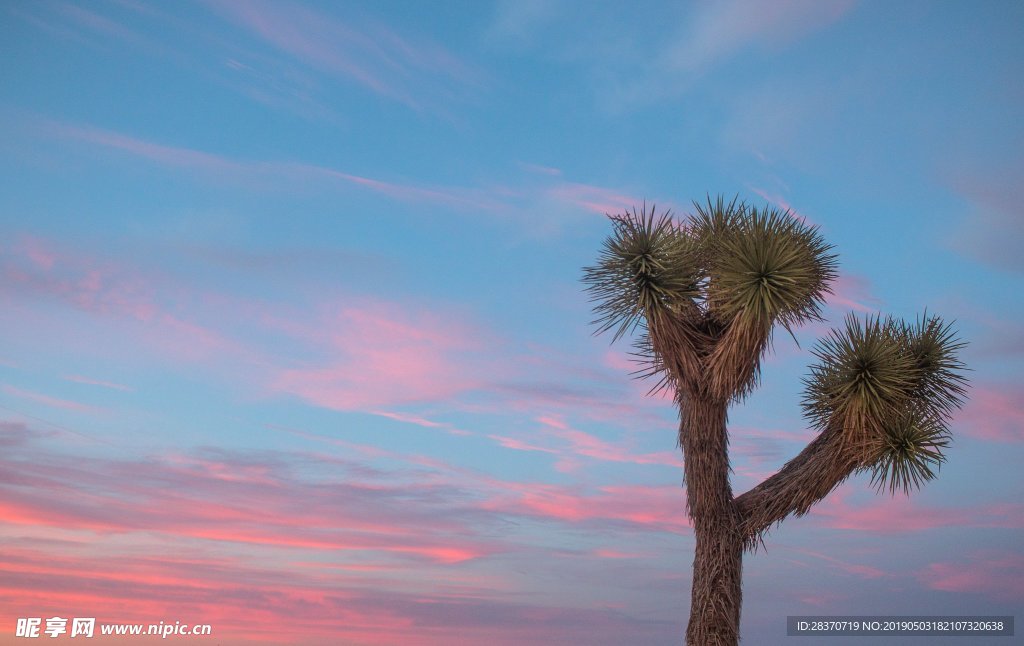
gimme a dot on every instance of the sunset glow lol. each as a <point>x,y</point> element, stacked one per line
<point>293,341</point>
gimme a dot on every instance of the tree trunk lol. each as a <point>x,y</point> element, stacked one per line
<point>717,564</point>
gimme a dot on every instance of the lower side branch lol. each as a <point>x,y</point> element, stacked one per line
<point>803,481</point>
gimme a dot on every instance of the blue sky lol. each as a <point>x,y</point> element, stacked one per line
<point>294,342</point>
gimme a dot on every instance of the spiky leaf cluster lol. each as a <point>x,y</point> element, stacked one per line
<point>905,453</point>
<point>864,371</point>
<point>933,346</point>
<point>647,266</point>
<point>765,266</point>
<point>893,386</point>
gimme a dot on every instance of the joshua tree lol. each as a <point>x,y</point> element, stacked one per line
<point>705,294</point>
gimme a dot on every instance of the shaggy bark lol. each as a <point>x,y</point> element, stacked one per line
<point>717,565</point>
<point>809,477</point>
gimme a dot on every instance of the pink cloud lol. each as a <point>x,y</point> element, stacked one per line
<point>96,382</point>
<point>781,202</point>
<point>997,575</point>
<point>232,499</point>
<point>86,283</point>
<point>594,198</point>
<point>420,421</point>
<point>38,252</point>
<point>653,508</point>
<point>263,174</point>
<point>252,600</point>
<point>140,303</point>
<point>520,445</point>
<point>854,569</point>
<point>580,391</point>
<point>384,355</point>
<point>216,535</point>
<point>885,515</point>
<point>571,444</point>
<point>994,413</point>
<point>159,153</point>
<point>458,197</point>
<point>52,402</point>
<point>616,554</point>
<point>853,292</point>
<point>410,419</point>
<point>824,599</point>
<point>620,362</point>
<point>309,37</point>
<point>542,170</point>
<point>585,444</point>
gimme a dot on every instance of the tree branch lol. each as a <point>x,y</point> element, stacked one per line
<point>734,364</point>
<point>823,464</point>
<point>678,346</point>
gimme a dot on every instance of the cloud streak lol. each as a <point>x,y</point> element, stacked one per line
<point>721,30</point>
<point>992,232</point>
<point>382,355</point>
<point>898,515</point>
<point>997,575</point>
<point>286,175</point>
<point>994,413</point>
<point>369,54</point>
<point>260,537</point>
<point>49,401</point>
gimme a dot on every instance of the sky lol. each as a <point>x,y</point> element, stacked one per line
<point>293,340</point>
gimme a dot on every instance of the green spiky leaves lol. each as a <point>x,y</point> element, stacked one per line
<point>934,348</point>
<point>765,266</point>
<point>892,388</point>
<point>864,371</point>
<point>732,261</point>
<point>908,452</point>
<point>708,290</point>
<point>648,265</point>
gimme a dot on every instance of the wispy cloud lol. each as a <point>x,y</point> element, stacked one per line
<point>517,21</point>
<point>382,356</point>
<point>414,71</point>
<point>419,420</point>
<point>541,203</point>
<point>660,509</point>
<point>854,569</point>
<point>253,600</point>
<point>311,522</point>
<point>163,495</point>
<point>994,413</point>
<point>720,30</point>
<point>263,174</point>
<point>997,575</point>
<point>96,382</point>
<point>403,359</point>
<point>782,203</point>
<point>48,400</point>
<point>708,36</point>
<point>34,269</point>
<point>585,444</point>
<point>993,230</point>
<point>896,515</point>
<point>574,447</point>
<point>594,198</point>
<point>853,292</point>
